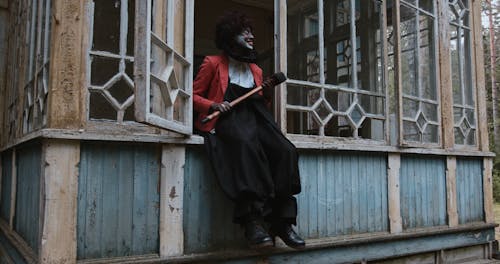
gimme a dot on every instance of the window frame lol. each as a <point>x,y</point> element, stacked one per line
<point>390,140</point>
<point>472,76</point>
<point>142,64</point>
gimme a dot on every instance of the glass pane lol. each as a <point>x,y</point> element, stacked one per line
<point>410,108</point>
<point>411,131</point>
<point>303,45</point>
<point>339,101</point>
<point>131,28</point>
<point>408,28</point>
<point>426,59</point>
<point>339,58</point>
<point>302,96</point>
<point>455,65</point>
<point>100,108</point>
<point>301,123</point>
<point>102,70</point>
<point>106,26</point>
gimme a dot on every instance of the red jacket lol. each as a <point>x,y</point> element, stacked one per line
<point>210,86</point>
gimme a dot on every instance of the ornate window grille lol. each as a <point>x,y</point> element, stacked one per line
<point>461,72</point>
<point>420,97</point>
<point>334,64</point>
<point>141,63</point>
<point>37,71</point>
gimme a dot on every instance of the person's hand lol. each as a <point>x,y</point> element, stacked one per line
<point>222,107</point>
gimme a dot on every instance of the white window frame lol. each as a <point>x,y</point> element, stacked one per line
<point>144,39</point>
<point>281,65</point>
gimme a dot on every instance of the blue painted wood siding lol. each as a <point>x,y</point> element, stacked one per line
<point>207,212</point>
<point>26,219</point>
<point>6,185</point>
<point>118,200</point>
<point>470,194</point>
<point>423,191</point>
<point>10,250</point>
<point>343,194</point>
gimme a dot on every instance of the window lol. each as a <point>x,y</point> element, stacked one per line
<point>461,73</point>
<point>141,63</point>
<point>335,68</point>
<point>37,68</point>
<point>421,115</point>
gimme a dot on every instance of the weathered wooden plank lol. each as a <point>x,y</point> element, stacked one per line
<point>469,181</point>
<point>423,191</point>
<point>171,201</point>
<point>68,74</point>
<point>478,60</point>
<point>118,191</point>
<point>61,159</point>
<point>488,190</point>
<point>393,174</point>
<point>27,214</point>
<point>445,78</point>
<point>9,249</point>
<point>5,200</point>
<point>451,191</point>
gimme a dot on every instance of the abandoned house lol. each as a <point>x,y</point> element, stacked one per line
<point>385,100</point>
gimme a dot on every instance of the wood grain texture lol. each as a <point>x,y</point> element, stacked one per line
<point>451,191</point>
<point>393,174</point>
<point>61,160</point>
<point>66,83</point>
<point>172,201</point>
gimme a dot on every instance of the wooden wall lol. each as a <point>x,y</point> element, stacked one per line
<point>423,191</point>
<point>118,200</point>
<point>343,194</point>
<point>470,205</point>
<point>27,206</point>
<point>6,190</point>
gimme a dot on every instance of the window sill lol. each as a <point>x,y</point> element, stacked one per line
<point>349,144</point>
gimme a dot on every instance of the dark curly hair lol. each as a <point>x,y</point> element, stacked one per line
<point>228,26</point>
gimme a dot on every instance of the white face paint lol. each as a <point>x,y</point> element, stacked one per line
<point>245,39</point>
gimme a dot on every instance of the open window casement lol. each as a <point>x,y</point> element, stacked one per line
<point>163,64</point>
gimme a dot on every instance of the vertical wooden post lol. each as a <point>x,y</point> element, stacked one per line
<point>171,201</point>
<point>489,217</point>
<point>479,76</point>
<point>451,191</point>
<point>445,78</point>
<point>67,71</point>
<point>395,221</point>
<point>60,191</point>
<point>13,191</point>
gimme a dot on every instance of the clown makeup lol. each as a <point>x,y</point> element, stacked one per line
<point>245,39</point>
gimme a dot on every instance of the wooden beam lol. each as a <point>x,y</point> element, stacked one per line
<point>60,191</point>
<point>4,4</point>
<point>478,53</point>
<point>67,59</point>
<point>447,120</point>
<point>13,192</point>
<point>489,217</point>
<point>451,191</point>
<point>171,201</point>
<point>395,221</point>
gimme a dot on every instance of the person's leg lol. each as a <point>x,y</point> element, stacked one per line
<point>249,215</point>
<point>283,162</point>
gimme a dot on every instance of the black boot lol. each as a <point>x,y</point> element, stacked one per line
<point>288,235</point>
<point>256,235</point>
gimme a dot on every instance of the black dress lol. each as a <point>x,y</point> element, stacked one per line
<point>256,165</point>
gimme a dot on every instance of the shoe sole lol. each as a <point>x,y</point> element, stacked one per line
<point>262,245</point>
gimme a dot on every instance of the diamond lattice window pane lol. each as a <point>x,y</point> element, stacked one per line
<point>323,110</point>
<point>356,115</point>
<point>421,121</point>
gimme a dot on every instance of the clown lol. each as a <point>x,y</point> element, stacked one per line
<point>255,164</point>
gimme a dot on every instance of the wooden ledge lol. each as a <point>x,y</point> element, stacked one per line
<point>312,244</point>
<point>301,142</point>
